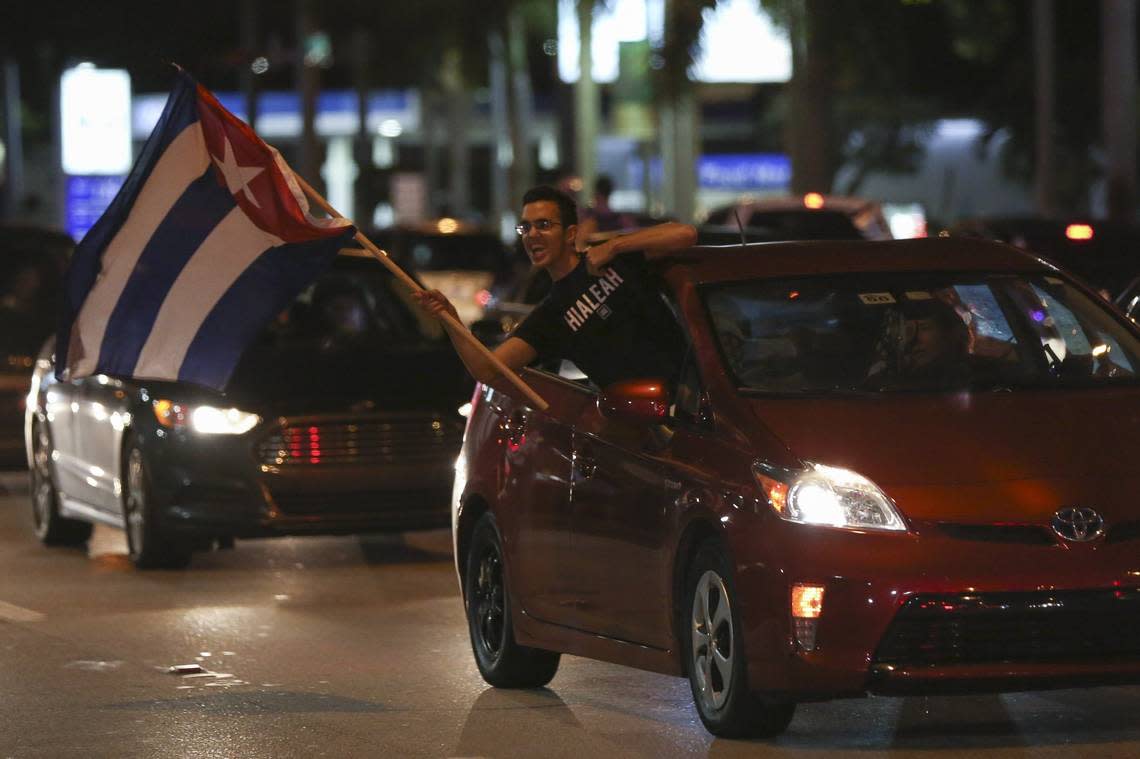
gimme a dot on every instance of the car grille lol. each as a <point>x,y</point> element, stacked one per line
<point>998,627</point>
<point>1124,531</point>
<point>391,440</point>
<point>1023,534</point>
<point>1033,535</point>
<point>411,506</point>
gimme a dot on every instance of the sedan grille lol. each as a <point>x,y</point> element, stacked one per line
<point>413,507</point>
<point>1000,627</point>
<point>394,440</point>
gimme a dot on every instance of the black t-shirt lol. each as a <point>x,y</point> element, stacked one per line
<point>613,327</point>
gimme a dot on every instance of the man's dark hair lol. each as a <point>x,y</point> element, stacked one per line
<point>567,208</point>
<point>604,186</point>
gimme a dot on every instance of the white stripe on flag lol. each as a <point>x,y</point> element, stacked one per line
<point>180,164</point>
<point>225,253</point>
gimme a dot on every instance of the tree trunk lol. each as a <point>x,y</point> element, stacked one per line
<point>522,107</point>
<point>808,130</point>
<point>1118,33</point>
<point>586,106</point>
<point>309,84</point>
<point>1044,174</point>
<point>501,147</point>
<point>458,114</point>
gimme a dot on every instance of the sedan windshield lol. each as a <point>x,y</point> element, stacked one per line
<point>918,332</point>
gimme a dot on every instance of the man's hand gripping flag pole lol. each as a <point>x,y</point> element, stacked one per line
<point>414,286</point>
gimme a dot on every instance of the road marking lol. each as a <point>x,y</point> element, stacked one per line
<point>12,613</point>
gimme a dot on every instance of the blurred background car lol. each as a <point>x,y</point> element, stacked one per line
<point>341,418</point>
<point>811,217</point>
<point>32,261</point>
<point>459,259</point>
<point>1104,254</point>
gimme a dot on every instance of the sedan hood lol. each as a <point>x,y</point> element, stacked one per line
<point>1013,456</point>
<point>300,380</point>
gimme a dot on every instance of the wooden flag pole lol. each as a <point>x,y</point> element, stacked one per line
<point>414,286</point>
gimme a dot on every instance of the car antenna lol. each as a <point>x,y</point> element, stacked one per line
<point>736,215</point>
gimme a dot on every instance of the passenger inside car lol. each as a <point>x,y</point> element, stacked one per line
<point>935,342</point>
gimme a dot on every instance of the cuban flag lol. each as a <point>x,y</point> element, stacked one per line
<point>209,237</point>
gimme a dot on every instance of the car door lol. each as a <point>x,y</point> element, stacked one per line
<point>61,407</point>
<point>618,565</point>
<point>100,421</point>
<point>534,513</point>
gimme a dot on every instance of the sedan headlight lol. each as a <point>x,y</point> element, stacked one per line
<point>208,420</point>
<point>827,495</point>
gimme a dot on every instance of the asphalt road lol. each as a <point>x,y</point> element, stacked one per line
<point>346,647</point>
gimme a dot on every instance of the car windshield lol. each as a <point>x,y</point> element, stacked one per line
<point>356,301</point>
<point>918,332</point>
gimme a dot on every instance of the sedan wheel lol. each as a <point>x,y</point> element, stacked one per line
<point>718,671</point>
<point>713,644</point>
<point>502,662</point>
<point>50,527</point>
<point>149,546</point>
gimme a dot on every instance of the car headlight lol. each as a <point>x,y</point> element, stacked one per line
<point>827,495</point>
<point>208,420</point>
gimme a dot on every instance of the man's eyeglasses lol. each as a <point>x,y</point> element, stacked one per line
<point>542,225</point>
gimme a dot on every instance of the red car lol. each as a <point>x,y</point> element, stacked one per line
<point>886,467</point>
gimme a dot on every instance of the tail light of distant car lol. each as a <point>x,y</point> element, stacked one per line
<point>1079,232</point>
<point>827,496</point>
<point>208,420</point>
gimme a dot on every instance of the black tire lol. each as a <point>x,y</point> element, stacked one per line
<point>148,544</point>
<point>50,527</point>
<point>502,662</point>
<point>714,656</point>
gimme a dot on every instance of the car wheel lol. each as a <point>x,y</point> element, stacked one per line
<point>149,546</point>
<point>50,527</point>
<point>502,662</point>
<point>718,670</point>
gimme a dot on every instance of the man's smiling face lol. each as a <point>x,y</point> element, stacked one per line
<point>546,247</point>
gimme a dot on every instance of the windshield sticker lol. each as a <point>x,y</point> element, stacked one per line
<point>876,299</point>
<point>918,295</point>
<point>1054,281</point>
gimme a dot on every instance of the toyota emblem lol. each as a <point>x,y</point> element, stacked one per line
<point>1078,524</point>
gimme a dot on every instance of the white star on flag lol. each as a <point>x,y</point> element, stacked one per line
<point>237,177</point>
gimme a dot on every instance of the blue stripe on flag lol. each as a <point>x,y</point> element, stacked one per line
<point>181,111</point>
<point>192,218</point>
<point>263,290</point>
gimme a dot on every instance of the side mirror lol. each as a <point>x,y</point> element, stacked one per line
<point>638,401</point>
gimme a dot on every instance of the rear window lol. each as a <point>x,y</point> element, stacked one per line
<point>356,301</point>
<point>918,332</point>
<point>456,252</point>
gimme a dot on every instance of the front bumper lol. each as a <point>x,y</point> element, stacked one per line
<point>263,484</point>
<point>926,612</point>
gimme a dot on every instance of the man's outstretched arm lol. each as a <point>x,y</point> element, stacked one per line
<point>656,241</point>
<point>513,352</point>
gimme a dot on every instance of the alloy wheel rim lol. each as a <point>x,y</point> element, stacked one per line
<point>41,503</point>
<point>714,647</point>
<point>134,501</point>
<point>488,611</point>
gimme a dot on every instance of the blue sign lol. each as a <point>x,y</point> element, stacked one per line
<point>744,171</point>
<point>87,199</point>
